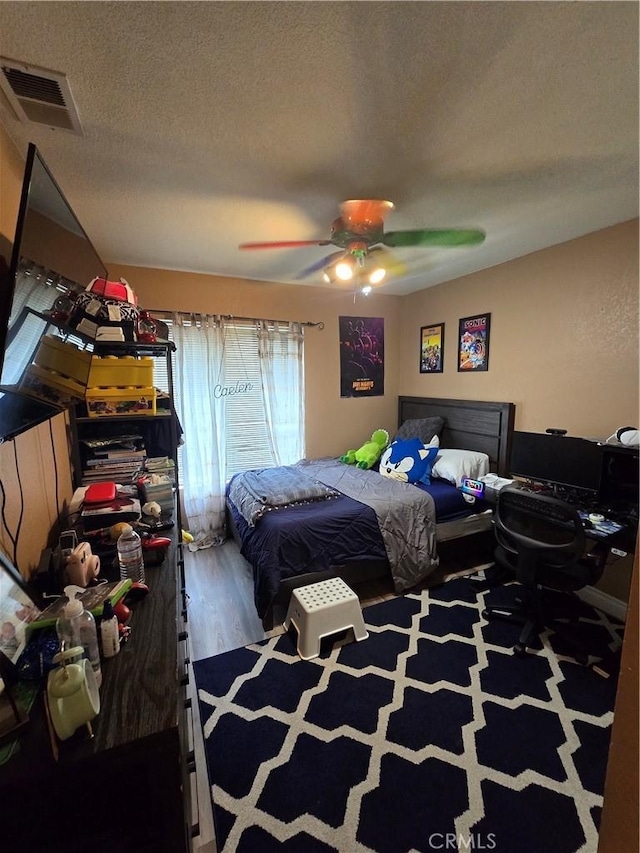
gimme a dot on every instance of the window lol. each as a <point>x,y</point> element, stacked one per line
<point>247,437</point>
<point>239,394</point>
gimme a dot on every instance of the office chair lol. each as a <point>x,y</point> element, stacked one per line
<point>542,540</point>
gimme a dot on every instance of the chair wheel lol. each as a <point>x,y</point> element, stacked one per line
<point>485,614</point>
<point>581,658</point>
<point>520,650</point>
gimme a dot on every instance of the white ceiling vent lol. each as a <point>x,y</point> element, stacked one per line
<point>40,96</point>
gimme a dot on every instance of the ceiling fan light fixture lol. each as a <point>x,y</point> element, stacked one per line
<point>366,290</point>
<point>377,275</point>
<point>344,270</point>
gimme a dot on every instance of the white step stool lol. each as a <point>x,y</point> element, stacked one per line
<point>321,609</point>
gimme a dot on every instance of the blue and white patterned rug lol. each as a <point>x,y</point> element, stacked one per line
<point>429,735</point>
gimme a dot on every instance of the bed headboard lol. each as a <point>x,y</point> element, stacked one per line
<point>468,425</point>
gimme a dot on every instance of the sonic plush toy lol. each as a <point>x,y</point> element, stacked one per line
<point>367,455</point>
<point>409,461</point>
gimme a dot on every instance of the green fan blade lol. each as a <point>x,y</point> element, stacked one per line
<point>428,237</point>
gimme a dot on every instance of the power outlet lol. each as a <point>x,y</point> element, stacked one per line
<point>618,552</point>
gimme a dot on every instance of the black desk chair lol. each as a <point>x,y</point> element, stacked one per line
<point>542,540</point>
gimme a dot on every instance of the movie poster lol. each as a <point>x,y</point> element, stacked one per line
<point>361,356</point>
<point>473,343</point>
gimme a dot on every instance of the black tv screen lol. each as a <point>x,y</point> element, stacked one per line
<point>52,260</point>
<point>557,460</point>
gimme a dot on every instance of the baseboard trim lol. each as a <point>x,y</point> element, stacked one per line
<point>603,601</point>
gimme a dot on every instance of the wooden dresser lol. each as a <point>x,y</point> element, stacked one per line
<point>128,788</point>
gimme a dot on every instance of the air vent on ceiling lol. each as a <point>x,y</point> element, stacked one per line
<point>39,95</point>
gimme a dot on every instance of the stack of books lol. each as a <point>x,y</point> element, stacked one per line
<point>161,465</point>
<point>117,459</point>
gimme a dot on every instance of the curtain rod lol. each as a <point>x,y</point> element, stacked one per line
<point>156,311</point>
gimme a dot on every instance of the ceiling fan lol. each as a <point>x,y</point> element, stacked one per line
<point>360,235</point>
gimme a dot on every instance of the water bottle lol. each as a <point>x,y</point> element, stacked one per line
<point>130,555</point>
<point>77,627</point>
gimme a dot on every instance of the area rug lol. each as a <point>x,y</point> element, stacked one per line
<point>428,735</point>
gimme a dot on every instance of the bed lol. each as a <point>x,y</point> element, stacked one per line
<point>361,532</point>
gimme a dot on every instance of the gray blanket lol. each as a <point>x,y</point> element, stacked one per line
<point>259,491</point>
<point>406,516</point>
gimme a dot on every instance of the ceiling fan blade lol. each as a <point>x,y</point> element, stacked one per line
<point>430,237</point>
<point>285,244</point>
<point>321,264</point>
<point>364,212</point>
<point>392,263</point>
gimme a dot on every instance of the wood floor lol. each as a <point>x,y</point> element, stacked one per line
<point>222,617</point>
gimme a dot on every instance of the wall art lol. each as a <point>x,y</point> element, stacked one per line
<point>473,343</point>
<point>361,356</point>
<point>432,348</point>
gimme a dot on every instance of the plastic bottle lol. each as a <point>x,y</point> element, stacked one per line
<point>109,634</point>
<point>130,555</point>
<point>77,627</point>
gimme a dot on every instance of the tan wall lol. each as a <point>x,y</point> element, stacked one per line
<point>11,172</point>
<point>57,249</point>
<point>564,335</point>
<point>333,424</point>
<point>29,459</point>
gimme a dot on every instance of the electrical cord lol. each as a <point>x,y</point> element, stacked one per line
<point>4,521</point>
<point>21,516</point>
<point>55,470</point>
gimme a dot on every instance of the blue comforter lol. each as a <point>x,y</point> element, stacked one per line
<point>373,518</point>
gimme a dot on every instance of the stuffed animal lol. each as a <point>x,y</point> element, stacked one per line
<point>409,461</point>
<point>367,455</point>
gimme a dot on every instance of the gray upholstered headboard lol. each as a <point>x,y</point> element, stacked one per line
<point>468,425</point>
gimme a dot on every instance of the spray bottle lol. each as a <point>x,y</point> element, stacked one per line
<point>77,627</point>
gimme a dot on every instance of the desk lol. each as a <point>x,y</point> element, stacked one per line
<point>611,533</point>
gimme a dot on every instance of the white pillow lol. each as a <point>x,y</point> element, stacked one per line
<point>455,465</point>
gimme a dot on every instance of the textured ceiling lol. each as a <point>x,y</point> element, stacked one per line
<point>210,124</point>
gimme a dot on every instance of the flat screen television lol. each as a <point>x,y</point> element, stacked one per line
<point>52,260</point>
<point>557,460</point>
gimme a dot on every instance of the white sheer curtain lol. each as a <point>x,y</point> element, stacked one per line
<point>280,350</point>
<point>198,368</point>
<point>239,395</point>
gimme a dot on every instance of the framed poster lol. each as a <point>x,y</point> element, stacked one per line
<point>432,348</point>
<point>361,356</point>
<point>473,343</point>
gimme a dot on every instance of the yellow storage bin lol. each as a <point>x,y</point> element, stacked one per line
<point>64,358</point>
<point>110,371</point>
<point>51,386</point>
<point>105,402</point>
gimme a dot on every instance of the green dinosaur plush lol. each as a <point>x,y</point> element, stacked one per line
<point>367,455</point>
